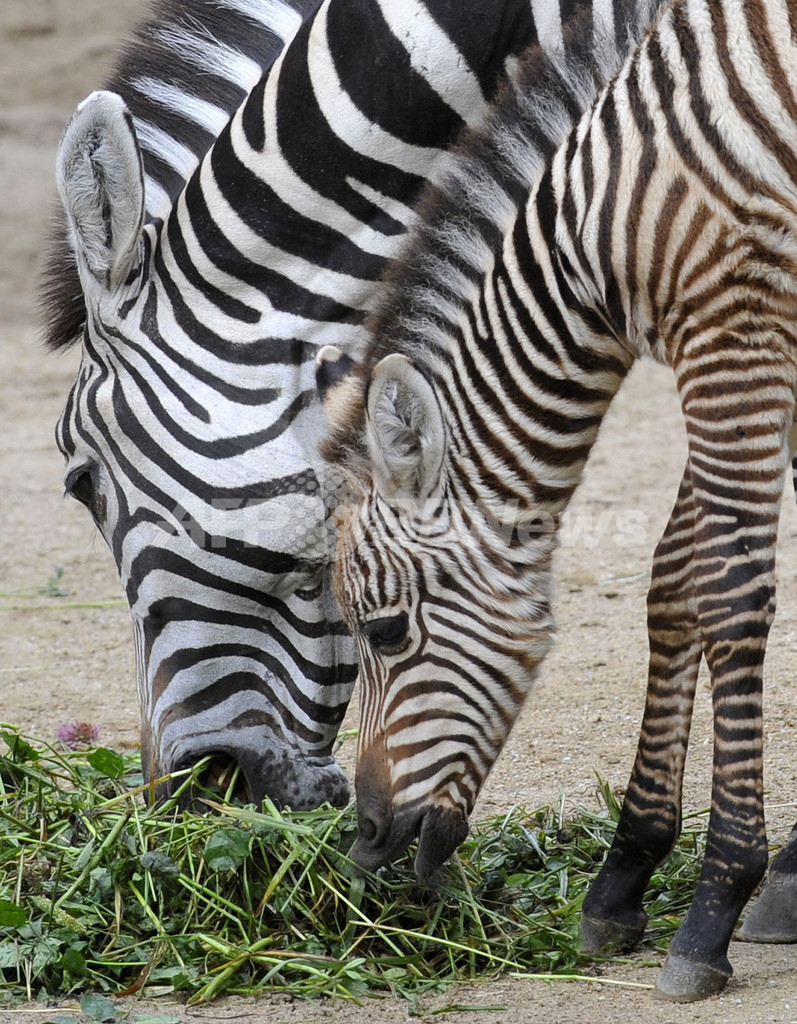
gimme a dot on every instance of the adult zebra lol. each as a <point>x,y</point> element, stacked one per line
<point>191,432</point>
<point>610,209</point>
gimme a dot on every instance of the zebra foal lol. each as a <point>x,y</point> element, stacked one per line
<point>617,204</point>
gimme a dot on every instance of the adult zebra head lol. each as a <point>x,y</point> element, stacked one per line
<point>191,433</point>
<point>199,474</point>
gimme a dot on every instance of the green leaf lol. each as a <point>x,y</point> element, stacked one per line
<point>18,748</point>
<point>160,864</point>
<point>85,855</point>
<point>9,955</point>
<point>74,962</point>
<point>394,973</point>
<point>45,952</point>
<point>101,882</point>
<point>227,849</point>
<point>106,761</point>
<point>12,915</point>
<point>100,1009</point>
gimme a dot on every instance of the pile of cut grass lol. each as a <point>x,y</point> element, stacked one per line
<point>102,892</point>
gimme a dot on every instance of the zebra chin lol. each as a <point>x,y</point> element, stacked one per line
<point>384,837</point>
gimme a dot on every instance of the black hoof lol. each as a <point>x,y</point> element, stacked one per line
<point>773,916</point>
<point>686,981</point>
<point>599,934</point>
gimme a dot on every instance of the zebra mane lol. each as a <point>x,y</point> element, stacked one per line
<point>185,70</point>
<point>463,218</point>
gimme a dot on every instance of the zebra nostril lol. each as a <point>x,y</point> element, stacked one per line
<point>367,829</point>
<point>373,823</point>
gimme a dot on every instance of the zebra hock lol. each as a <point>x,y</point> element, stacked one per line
<point>617,204</point>
<point>231,201</point>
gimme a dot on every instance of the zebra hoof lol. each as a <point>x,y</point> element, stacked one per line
<point>773,916</point>
<point>685,981</point>
<point>599,934</point>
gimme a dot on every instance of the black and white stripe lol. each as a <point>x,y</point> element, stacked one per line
<point>186,68</point>
<point>277,181</point>
<point>616,204</point>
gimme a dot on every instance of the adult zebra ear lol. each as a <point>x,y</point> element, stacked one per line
<point>100,177</point>
<point>405,431</point>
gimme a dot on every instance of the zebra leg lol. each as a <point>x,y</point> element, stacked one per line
<point>612,914</point>
<point>737,459</point>
<point>773,916</point>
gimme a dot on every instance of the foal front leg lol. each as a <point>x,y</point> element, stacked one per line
<point>738,453</point>
<point>613,915</point>
<point>773,916</point>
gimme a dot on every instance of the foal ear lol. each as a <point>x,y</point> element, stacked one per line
<point>405,430</point>
<point>100,179</point>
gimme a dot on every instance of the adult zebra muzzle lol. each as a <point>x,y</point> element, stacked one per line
<point>282,775</point>
<point>226,723</point>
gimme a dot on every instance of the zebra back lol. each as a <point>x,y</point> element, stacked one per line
<point>462,219</point>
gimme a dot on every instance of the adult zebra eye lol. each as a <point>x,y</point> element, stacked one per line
<point>389,635</point>
<point>80,485</point>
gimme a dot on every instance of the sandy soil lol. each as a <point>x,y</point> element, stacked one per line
<point>70,657</point>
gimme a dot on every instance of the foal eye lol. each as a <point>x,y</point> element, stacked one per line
<point>389,635</point>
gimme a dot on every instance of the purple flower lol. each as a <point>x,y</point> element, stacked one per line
<point>78,735</point>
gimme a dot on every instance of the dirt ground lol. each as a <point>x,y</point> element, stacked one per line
<point>70,657</point>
